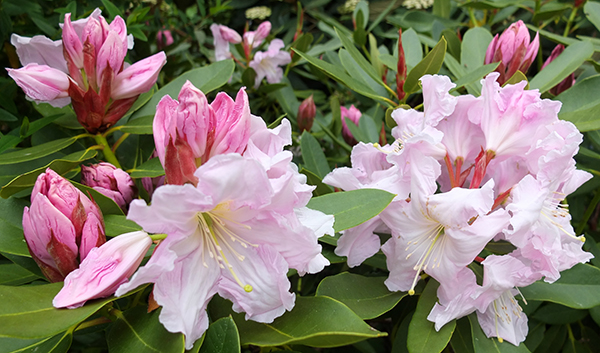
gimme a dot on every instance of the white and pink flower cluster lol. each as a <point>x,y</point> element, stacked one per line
<point>468,172</point>
<point>234,212</point>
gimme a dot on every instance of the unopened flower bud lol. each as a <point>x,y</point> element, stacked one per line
<point>306,114</point>
<point>402,69</point>
<point>61,226</point>
<point>354,115</point>
<point>111,182</point>
<point>104,270</point>
<point>164,38</point>
<point>567,82</point>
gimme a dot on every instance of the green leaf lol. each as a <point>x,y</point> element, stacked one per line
<point>59,343</point>
<point>368,297</point>
<point>350,65</point>
<point>516,78</point>
<point>561,67</point>
<point>314,321</point>
<point>461,340</point>
<point>422,336</point>
<point>581,104</point>
<point>205,78</point>
<point>11,218</point>
<point>139,126</point>
<point>482,344</point>
<point>119,224</point>
<point>576,288</point>
<point>222,337</point>
<point>136,330</point>
<point>474,44</point>
<point>111,9</point>
<point>14,275</point>
<point>35,152</point>
<point>592,12</point>
<point>60,166</point>
<point>26,311</point>
<point>556,314</point>
<point>106,204</point>
<point>351,208</point>
<point>476,75</point>
<point>454,43</point>
<point>150,169</point>
<point>359,58</point>
<point>313,156</point>
<point>7,116</point>
<point>413,50</point>
<point>313,179</point>
<point>430,64</point>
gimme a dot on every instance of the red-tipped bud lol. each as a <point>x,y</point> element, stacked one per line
<point>401,75</point>
<point>180,163</point>
<point>111,182</point>
<point>306,114</point>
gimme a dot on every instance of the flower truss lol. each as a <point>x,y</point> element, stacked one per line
<point>503,164</point>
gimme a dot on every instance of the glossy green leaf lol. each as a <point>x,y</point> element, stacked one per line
<point>592,12</point>
<point>577,288</point>
<point>106,204</point>
<point>357,72</point>
<point>314,321</point>
<point>422,336</point>
<point>313,179</point>
<point>14,275</point>
<point>151,169</point>
<point>482,344</point>
<point>313,155</point>
<point>35,152</point>
<point>119,224</point>
<point>26,311</point>
<point>561,67</point>
<point>581,104</point>
<point>60,166</point>
<point>59,343</point>
<point>359,58</point>
<point>11,218</point>
<point>516,78</point>
<point>368,297</point>
<point>136,330</point>
<point>489,4</point>
<point>351,208</point>
<point>474,44</point>
<point>430,64</point>
<point>461,340</point>
<point>556,314</point>
<point>111,8</point>
<point>205,78</point>
<point>139,126</point>
<point>221,337</point>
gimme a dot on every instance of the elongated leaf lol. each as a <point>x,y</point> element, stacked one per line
<point>422,336</point>
<point>106,204</point>
<point>516,78</point>
<point>221,337</point>
<point>313,156</point>
<point>359,58</point>
<point>581,104</point>
<point>592,12</point>
<point>351,208</point>
<point>474,45</point>
<point>461,340</point>
<point>314,321</point>
<point>482,344</point>
<point>577,288</point>
<point>430,64</point>
<point>35,152</point>
<point>556,314</point>
<point>313,179</point>
<point>119,224</point>
<point>14,275</point>
<point>136,330</point>
<point>59,343</point>
<point>60,166</point>
<point>26,311</point>
<point>350,65</point>
<point>413,50</point>
<point>368,297</point>
<point>561,67</point>
<point>11,229</point>
<point>151,168</point>
<point>139,126</point>
<point>206,78</point>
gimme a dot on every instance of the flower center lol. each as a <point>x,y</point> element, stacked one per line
<point>218,239</point>
<point>425,244</point>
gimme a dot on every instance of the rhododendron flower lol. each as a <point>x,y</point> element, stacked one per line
<point>267,64</point>
<point>103,270</point>
<point>513,50</point>
<point>354,115</point>
<point>224,236</point>
<point>111,182</point>
<point>61,226</point>
<point>223,35</point>
<point>91,73</point>
<point>253,39</point>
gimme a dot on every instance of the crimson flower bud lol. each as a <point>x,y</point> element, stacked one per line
<point>111,182</point>
<point>306,114</point>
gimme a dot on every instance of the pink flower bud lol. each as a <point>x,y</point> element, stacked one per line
<point>111,182</point>
<point>180,163</point>
<point>42,83</point>
<point>567,82</point>
<point>513,50</point>
<point>230,35</point>
<point>223,35</point>
<point>139,77</point>
<point>354,115</point>
<point>255,38</point>
<point>164,38</point>
<point>306,114</point>
<point>40,50</point>
<point>61,225</point>
<point>104,270</point>
<point>72,44</point>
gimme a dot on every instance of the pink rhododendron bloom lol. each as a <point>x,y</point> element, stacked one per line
<point>61,226</point>
<point>103,270</point>
<point>225,237</point>
<point>354,115</point>
<point>267,63</point>
<point>513,50</point>
<point>111,182</point>
<point>223,35</point>
<point>254,39</point>
<point>91,75</point>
